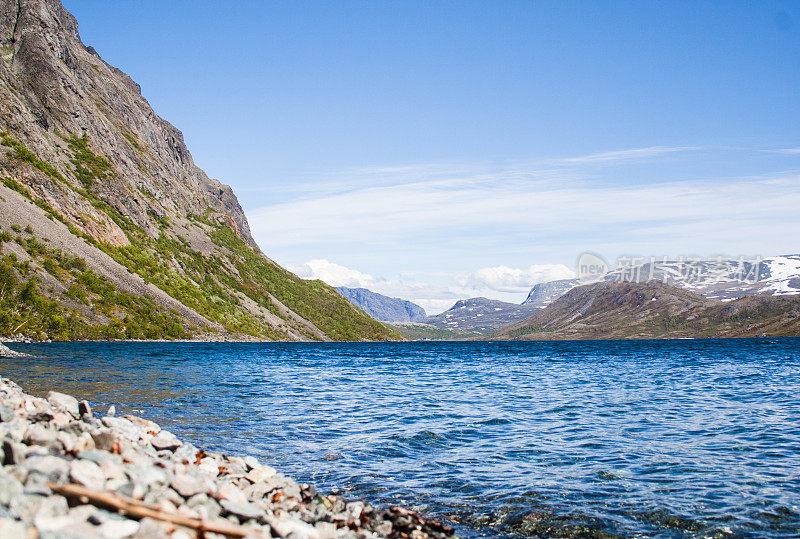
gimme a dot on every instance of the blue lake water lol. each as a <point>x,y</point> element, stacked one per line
<point>650,438</point>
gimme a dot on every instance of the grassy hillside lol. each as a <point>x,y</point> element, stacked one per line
<point>427,332</point>
<point>231,283</point>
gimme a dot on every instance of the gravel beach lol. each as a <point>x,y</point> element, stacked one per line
<point>68,473</point>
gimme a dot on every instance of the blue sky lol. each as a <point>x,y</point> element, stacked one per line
<point>436,150</point>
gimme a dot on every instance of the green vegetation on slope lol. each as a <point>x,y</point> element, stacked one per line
<point>24,309</point>
<point>313,300</point>
<point>428,332</point>
<point>216,285</point>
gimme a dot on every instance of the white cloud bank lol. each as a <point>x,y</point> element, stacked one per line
<point>332,273</point>
<point>505,279</point>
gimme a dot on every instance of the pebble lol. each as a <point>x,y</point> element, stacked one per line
<point>12,529</point>
<point>66,403</point>
<point>58,440</point>
<point>245,510</point>
<point>39,435</point>
<point>6,413</point>
<point>124,427</point>
<point>87,473</point>
<point>186,485</point>
<point>84,410</point>
<point>117,529</point>
<point>260,474</point>
<point>165,440</point>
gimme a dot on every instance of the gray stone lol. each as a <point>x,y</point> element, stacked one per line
<point>16,428</point>
<point>245,511</point>
<point>9,487</point>
<point>124,427</point>
<point>17,471</point>
<point>384,528</point>
<point>99,456</point>
<point>251,462</point>
<point>39,435</point>
<point>13,452</point>
<point>261,473</point>
<point>66,403</point>
<point>36,483</point>
<point>152,529</point>
<point>11,529</point>
<point>54,468</point>
<point>112,411</point>
<point>6,413</point>
<point>117,529</point>
<point>28,507</point>
<point>84,442</point>
<point>159,494</point>
<point>84,409</point>
<point>87,473</point>
<point>187,485</point>
<point>106,439</point>
<point>70,530</point>
<point>147,475</point>
<point>82,513</point>
<point>354,510</point>
<point>165,440</point>
<point>68,440</point>
<point>257,491</point>
<point>186,452</point>
<point>5,351</point>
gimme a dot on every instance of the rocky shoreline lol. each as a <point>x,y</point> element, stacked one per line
<point>69,473</point>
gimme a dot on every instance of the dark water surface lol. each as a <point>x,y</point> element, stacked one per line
<point>648,438</point>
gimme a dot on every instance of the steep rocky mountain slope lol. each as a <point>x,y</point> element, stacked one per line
<point>109,229</point>
<point>543,294</point>
<point>480,314</point>
<point>617,310</point>
<point>382,307</point>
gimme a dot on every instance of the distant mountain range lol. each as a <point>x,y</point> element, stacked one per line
<point>723,279</point>
<point>625,310</point>
<point>480,314</point>
<point>382,307</point>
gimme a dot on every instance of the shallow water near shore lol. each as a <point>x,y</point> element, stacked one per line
<point>657,438</point>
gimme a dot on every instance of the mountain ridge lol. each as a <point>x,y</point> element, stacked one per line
<point>122,235</point>
<point>652,310</point>
<point>479,314</point>
<point>383,308</point>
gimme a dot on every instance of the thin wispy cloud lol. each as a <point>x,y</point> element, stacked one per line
<point>622,155</point>
<point>486,229</point>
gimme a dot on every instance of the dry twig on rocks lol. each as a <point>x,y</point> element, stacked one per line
<point>134,508</point>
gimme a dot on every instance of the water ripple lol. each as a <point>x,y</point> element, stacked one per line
<point>600,439</point>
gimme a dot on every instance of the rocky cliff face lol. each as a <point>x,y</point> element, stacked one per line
<point>56,90</point>
<point>89,168</point>
<point>382,307</point>
<point>543,294</point>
